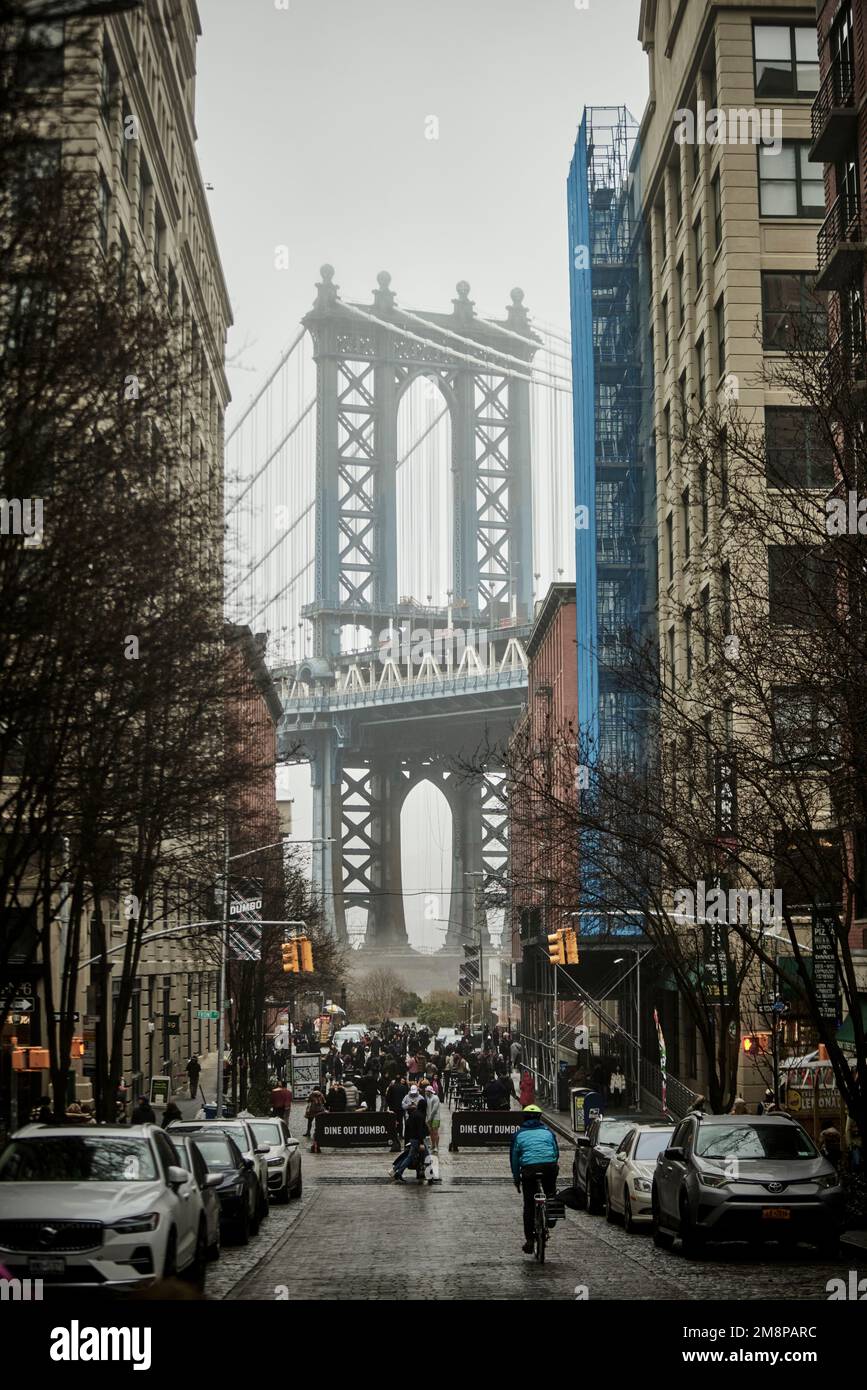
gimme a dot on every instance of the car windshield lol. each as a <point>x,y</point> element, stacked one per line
<point>74,1158</point>
<point>651,1144</point>
<point>754,1141</point>
<point>215,1151</point>
<point>612,1131</point>
<point>267,1133</point>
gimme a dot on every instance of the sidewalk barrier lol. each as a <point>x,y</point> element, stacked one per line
<point>355,1130</point>
<point>484,1128</point>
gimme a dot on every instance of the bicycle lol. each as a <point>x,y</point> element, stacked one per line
<point>541,1228</point>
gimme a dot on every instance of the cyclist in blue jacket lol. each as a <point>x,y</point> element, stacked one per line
<point>533,1150</point>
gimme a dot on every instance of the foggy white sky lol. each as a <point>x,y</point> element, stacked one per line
<point>312,130</point>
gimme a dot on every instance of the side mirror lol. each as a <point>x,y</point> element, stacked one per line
<point>213,1180</point>
<point>261,1151</point>
<point>582,1141</point>
<point>176,1176</point>
<point>675,1155</point>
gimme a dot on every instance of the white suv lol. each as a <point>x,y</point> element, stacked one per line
<point>86,1207</point>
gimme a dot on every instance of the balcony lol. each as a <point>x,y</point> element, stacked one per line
<point>834,118</point>
<point>841,245</point>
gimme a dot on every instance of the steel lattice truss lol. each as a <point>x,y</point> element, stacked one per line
<point>357,485</point>
<point>491,429</point>
<point>495,830</point>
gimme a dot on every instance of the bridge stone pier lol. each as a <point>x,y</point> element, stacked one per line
<point>436,683</point>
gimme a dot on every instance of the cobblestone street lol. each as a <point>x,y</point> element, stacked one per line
<point>355,1235</point>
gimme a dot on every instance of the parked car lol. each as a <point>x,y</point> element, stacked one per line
<point>283,1157</point>
<point>243,1136</point>
<point>192,1160</point>
<point>745,1177</point>
<point>447,1036</point>
<point>592,1153</point>
<point>237,1186</point>
<point>350,1032</point>
<point>92,1208</point>
<point>629,1175</point>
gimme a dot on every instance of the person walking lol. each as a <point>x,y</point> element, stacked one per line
<point>394,1097</point>
<point>194,1071</point>
<point>171,1112</point>
<point>281,1101</point>
<point>534,1150</point>
<point>415,1133</point>
<point>143,1113</point>
<point>335,1101</point>
<point>527,1090</point>
<point>315,1106</point>
<point>367,1089</point>
<point>433,1117</point>
<point>496,1094</point>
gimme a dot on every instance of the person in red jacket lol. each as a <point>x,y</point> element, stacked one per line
<point>281,1101</point>
<point>527,1091</point>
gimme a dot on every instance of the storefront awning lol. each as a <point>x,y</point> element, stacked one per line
<point>846,1031</point>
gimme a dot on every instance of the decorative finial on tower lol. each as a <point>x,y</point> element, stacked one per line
<point>516,314</point>
<point>463,307</point>
<point>326,290</point>
<point>384,297</point>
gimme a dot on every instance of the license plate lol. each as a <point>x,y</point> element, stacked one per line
<point>776,1214</point>
<point>54,1264</point>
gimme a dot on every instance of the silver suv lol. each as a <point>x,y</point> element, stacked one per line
<point>745,1177</point>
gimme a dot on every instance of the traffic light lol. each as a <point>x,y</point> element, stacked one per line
<point>289,950</point>
<point>306,954</point>
<point>556,953</point>
<point>755,1044</point>
<point>570,937</point>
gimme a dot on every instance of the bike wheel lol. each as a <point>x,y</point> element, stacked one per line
<point>541,1234</point>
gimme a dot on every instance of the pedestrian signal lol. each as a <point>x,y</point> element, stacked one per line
<point>754,1044</point>
<point>556,952</point>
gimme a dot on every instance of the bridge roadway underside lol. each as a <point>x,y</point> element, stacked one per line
<point>365,760</point>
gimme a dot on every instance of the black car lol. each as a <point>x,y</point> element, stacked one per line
<point>238,1191</point>
<point>593,1152</point>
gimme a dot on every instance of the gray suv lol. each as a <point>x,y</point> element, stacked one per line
<point>745,1177</point>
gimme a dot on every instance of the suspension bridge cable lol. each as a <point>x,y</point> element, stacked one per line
<point>481,347</point>
<point>253,568</point>
<point>544,332</point>
<point>281,592</point>
<point>271,457</point>
<point>259,394</point>
<point>423,436</point>
<point>461,356</point>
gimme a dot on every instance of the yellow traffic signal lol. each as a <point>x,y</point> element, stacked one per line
<point>306,954</point>
<point>754,1044</point>
<point>570,936</point>
<point>290,957</point>
<point>556,954</point>
<point>749,1044</point>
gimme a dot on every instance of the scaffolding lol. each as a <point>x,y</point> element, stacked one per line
<point>610,463</point>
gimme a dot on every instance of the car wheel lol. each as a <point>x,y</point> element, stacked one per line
<point>296,1190</point>
<point>255,1221</point>
<point>264,1208</point>
<point>691,1239</point>
<point>628,1223</point>
<point>281,1196</point>
<point>661,1239</point>
<point>170,1264</point>
<point>594,1206</point>
<point>241,1228</point>
<point>195,1271</point>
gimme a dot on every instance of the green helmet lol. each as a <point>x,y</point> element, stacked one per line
<point>532,1109</point>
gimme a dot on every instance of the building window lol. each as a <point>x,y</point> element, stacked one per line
<point>104,211</point>
<point>39,61</point>
<point>786,60</point>
<point>665,340</point>
<point>122,259</point>
<point>107,80</point>
<point>669,546</point>
<point>666,416</point>
<point>126,118</point>
<point>704,600</point>
<point>681,403</point>
<point>789,184</point>
<point>698,242</point>
<point>716,208</point>
<point>799,580</point>
<point>723,468</point>
<point>677,194</point>
<point>702,496</point>
<point>684,506</point>
<point>802,727</point>
<point>719,314</point>
<point>687,626</point>
<point>671,665</point>
<point>681,305</point>
<point>796,454</point>
<point>726,587</point>
<point>663,235</point>
<point>794,314</point>
<point>701,367</point>
<point>159,240</point>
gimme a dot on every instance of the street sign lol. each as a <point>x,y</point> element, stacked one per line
<point>59,1017</point>
<point>22,1004</point>
<point>207,1013</point>
<point>825,968</point>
